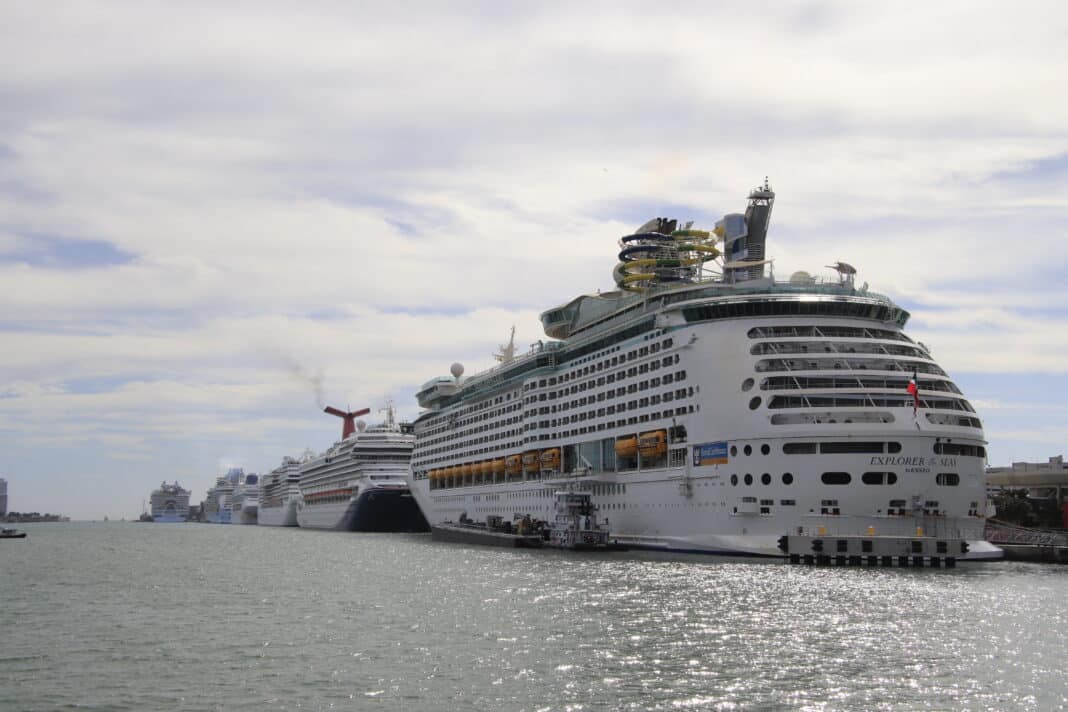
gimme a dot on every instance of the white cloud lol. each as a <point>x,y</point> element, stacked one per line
<point>369,194</point>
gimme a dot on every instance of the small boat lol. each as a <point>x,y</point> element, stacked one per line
<point>12,534</point>
<point>575,525</point>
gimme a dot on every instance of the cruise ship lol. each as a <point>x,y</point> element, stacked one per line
<point>245,501</point>
<point>217,504</point>
<point>170,503</point>
<point>711,409</point>
<point>280,491</point>
<point>360,484</point>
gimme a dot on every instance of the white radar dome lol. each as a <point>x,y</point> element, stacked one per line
<point>801,277</point>
<point>457,370</point>
<point>361,425</point>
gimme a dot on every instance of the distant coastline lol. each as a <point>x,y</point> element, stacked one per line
<point>32,517</point>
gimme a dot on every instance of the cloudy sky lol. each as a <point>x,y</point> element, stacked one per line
<point>212,213</point>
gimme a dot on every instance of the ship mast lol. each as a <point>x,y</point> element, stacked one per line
<point>506,353</point>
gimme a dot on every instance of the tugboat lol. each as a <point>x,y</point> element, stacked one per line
<point>575,525</point>
<point>12,534</point>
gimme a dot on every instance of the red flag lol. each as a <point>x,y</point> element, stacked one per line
<point>914,390</point>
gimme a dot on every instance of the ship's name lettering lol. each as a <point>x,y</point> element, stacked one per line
<point>899,461</point>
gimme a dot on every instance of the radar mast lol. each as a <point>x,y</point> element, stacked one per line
<point>506,352</point>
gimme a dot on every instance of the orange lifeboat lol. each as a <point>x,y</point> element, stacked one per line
<point>497,466</point>
<point>653,443</point>
<point>530,461</point>
<point>513,464</point>
<point>627,446</point>
<point>550,459</point>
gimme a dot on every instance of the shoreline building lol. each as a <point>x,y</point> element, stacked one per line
<point>1042,480</point>
<point>3,496</point>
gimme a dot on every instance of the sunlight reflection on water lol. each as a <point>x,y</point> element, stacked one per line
<point>202,617</point>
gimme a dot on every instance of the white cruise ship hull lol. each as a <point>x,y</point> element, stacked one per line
<point>656,514</point>
<point>220,517</point>
<point>331,515</point>
<point>283,516</point>
<point>246,515</point>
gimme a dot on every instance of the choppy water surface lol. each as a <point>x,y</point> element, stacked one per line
<point>206,617</point>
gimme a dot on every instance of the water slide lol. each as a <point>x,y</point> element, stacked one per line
<point>649,257</point>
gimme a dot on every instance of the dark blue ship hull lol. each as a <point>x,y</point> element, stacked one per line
<point>382,510</point>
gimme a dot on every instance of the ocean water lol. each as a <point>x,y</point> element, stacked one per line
<point>130,616</point>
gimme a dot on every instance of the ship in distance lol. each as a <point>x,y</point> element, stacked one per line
<point>360,484</point>
<point>217,503</point>
<point>709,408</point>
<point>280,491</point>
<point>245,501</point>
<point>169,503</point>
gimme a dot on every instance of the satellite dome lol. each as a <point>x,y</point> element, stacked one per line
<point>457,370</point>
<point>361,425</point>
<point>801,277</point>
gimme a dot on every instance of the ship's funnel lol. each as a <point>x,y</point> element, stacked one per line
<point>350,419</point>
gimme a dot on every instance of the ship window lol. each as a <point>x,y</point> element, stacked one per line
<point>799,448</point>
<point>851,447</point>
<point>765,449</point>
<point>765,479</point>
<point>836,478</point>
<point>962,449</point>
<point>734,479</point>
<point>748,450</point>
<point>747,384</point>
<point>748,479</point>
<point>878,478</point>
<point>947,479</point>
<point>754,403</point>
<point>787,478</point>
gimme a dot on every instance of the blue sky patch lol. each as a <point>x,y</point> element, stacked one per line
<point>56,252</point>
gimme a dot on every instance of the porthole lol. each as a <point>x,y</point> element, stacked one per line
<point>734,451</point>
<point>765,449</point>
<point>747,384</point>
<point>787,478</point>
<point>765,478</point>
<point>836,478</point>
<point>734,479</point>
<point>748,479</point>
<point>754,403</point>
<point>748,450</point>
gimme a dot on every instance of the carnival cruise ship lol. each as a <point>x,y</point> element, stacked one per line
<point>360,484</point>
<point>245,501</point>
<point>709,408</point>
<point>280,491</point>
<point>170,503</point>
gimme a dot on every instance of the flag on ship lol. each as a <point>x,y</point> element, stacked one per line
<point>914,390</point>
